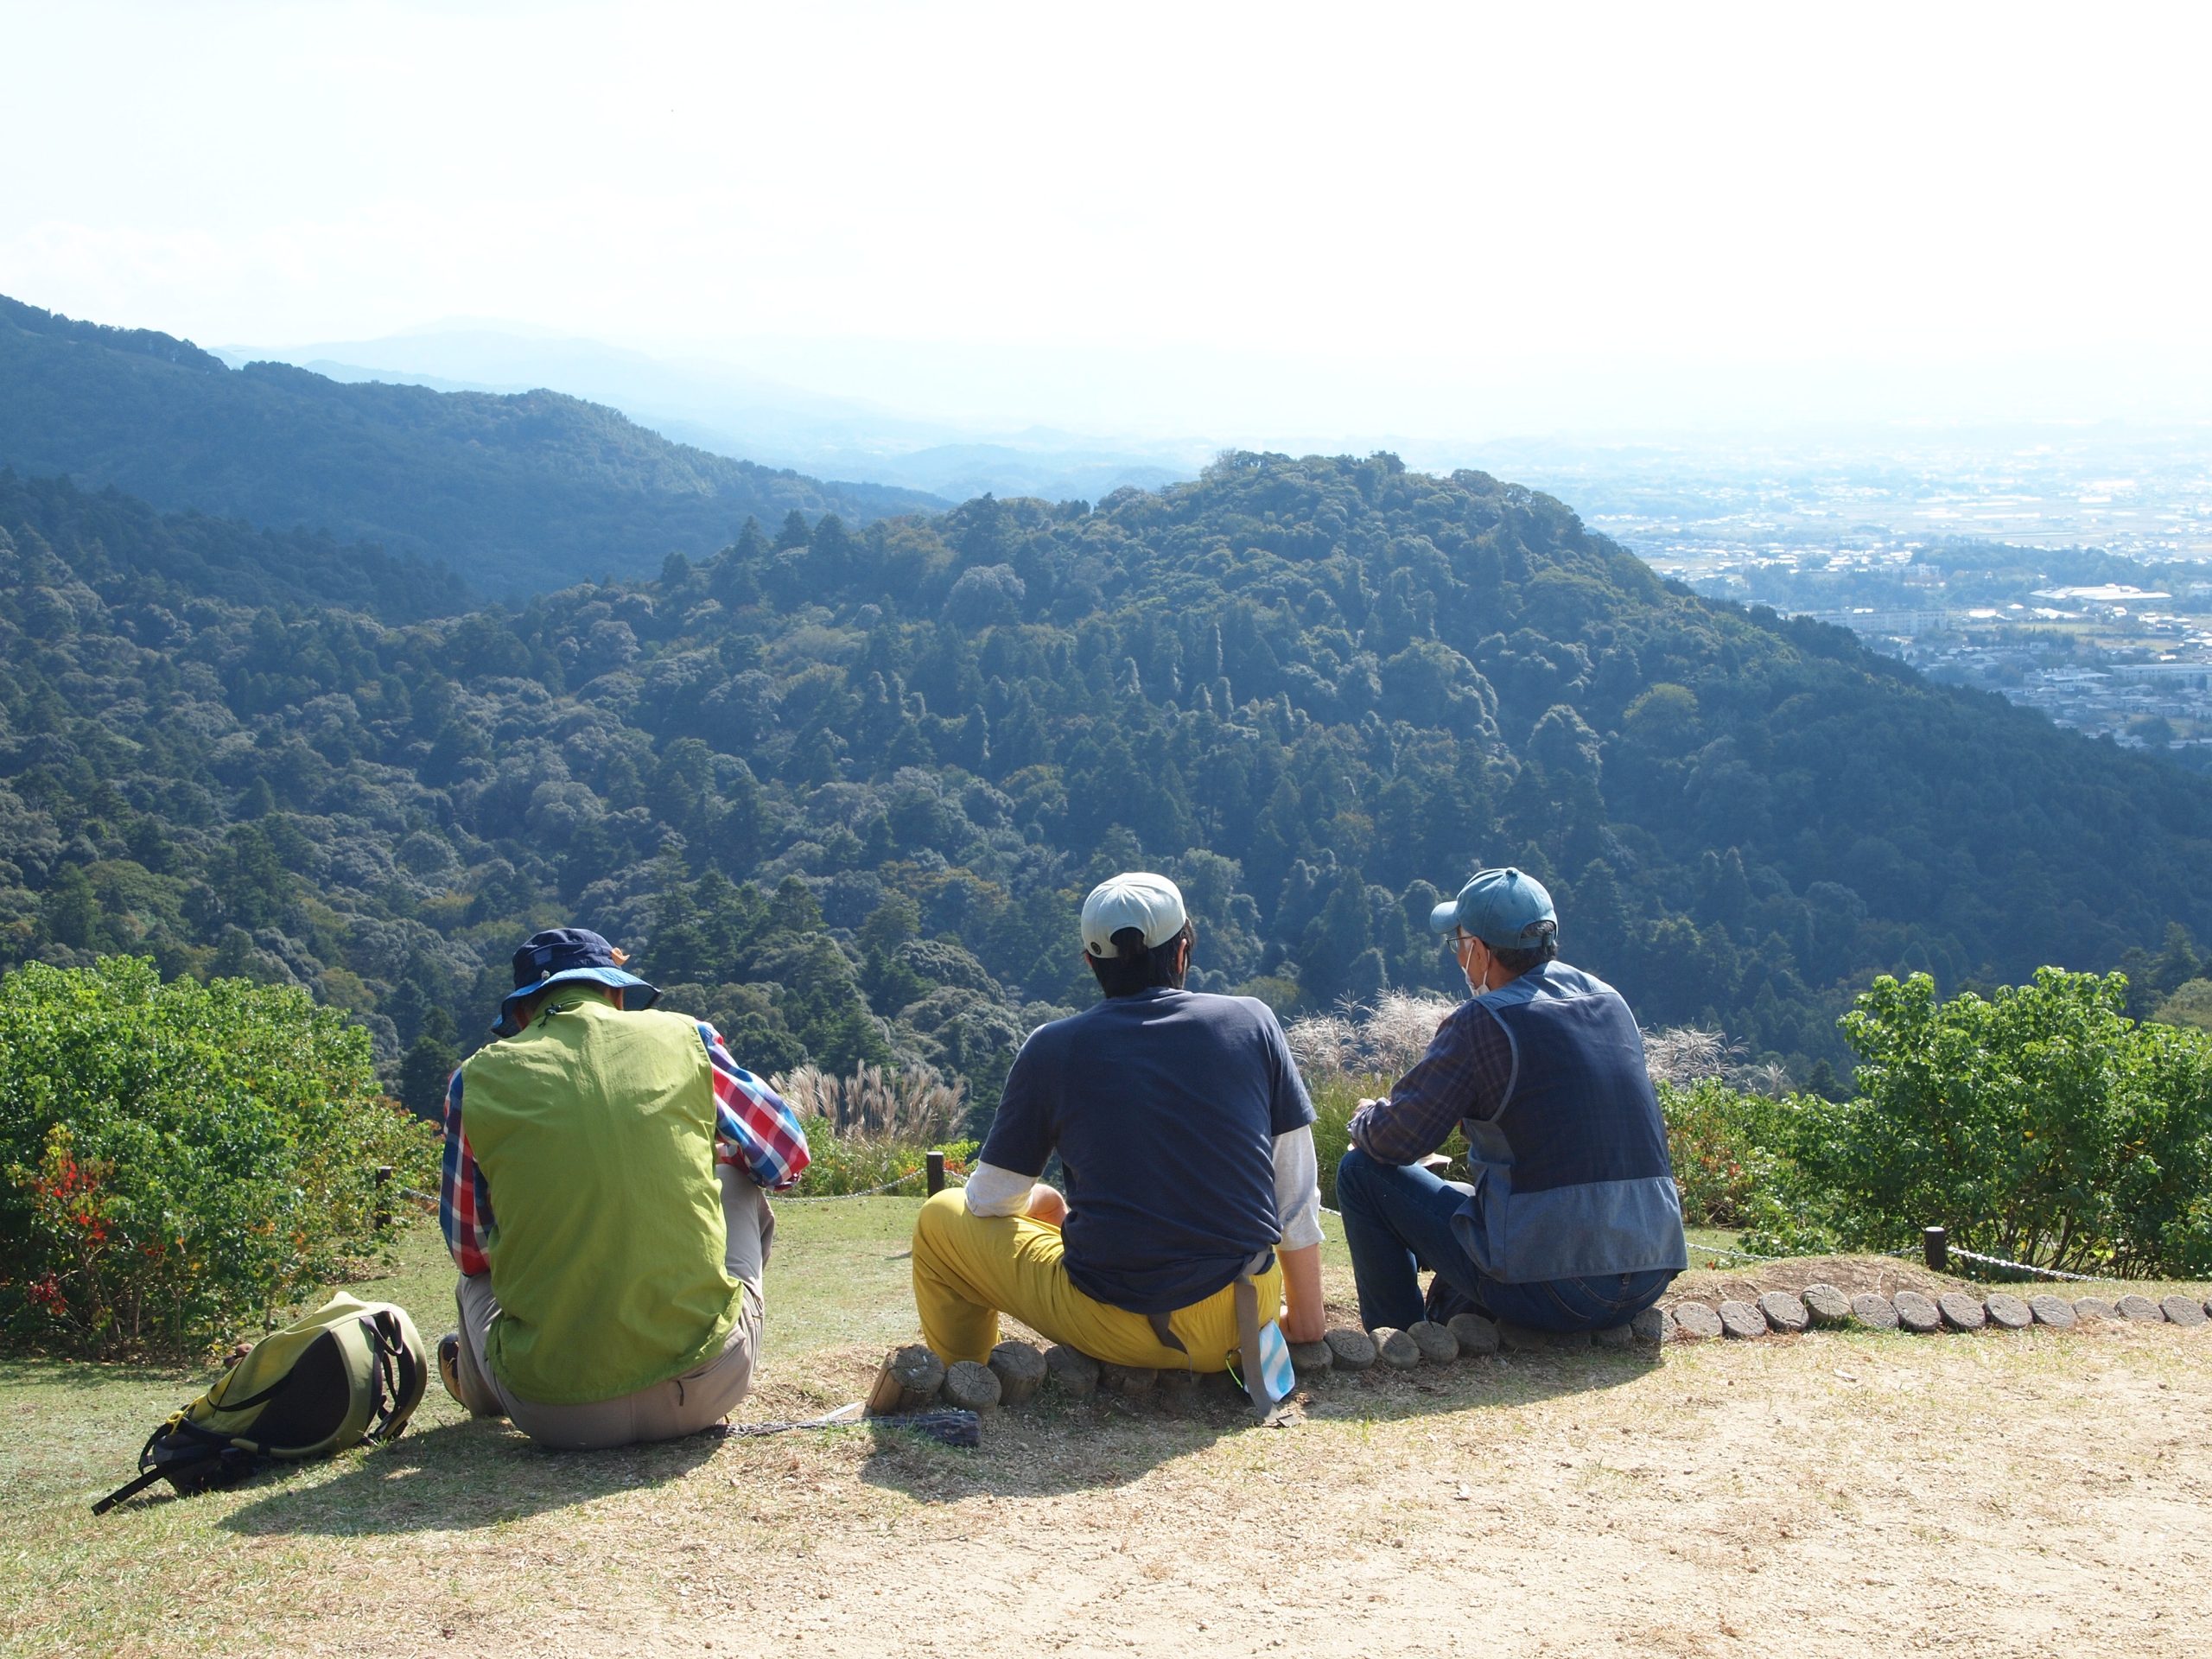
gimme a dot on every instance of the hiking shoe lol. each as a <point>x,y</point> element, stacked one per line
<point>450,1364</point>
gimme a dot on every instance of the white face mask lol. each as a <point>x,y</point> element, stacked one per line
<point>1466,955</point>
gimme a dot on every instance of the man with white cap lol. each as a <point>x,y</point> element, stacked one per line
<point>1572,1221</point>
<point>1185,1140</point>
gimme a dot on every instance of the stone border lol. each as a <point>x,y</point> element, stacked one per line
<point>1019,1371</point>
<point>1954,1312</point>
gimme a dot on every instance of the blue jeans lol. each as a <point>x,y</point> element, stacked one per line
<point>1398,1221</point>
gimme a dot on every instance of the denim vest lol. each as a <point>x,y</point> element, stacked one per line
<point>1572,1178</point>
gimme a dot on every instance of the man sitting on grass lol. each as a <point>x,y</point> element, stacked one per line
<point>1572,1222</point>
<point>1185,1140</point>
<point>616,1297</point>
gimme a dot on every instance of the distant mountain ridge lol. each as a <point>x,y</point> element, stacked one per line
<point>729,410</point>
<point>520,493</point>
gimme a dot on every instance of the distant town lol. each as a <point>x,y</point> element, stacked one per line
<point>2072,575</point>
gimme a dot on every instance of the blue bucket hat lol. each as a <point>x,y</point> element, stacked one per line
<point>560,955</point>
<point>1507,910</point>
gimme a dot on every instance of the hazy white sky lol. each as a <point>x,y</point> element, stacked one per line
<point>1453,218</point>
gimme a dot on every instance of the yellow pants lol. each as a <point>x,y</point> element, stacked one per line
<point>969,1268</point>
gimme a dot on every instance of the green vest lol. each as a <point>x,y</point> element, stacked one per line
<point>594,1130</point>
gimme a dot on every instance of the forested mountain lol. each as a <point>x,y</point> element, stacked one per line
<point>522,493</point>
<point>171,559</point>
<point>842,790</point>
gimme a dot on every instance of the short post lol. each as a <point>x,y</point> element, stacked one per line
<point>1936,1243</point>
<point>936,1171</point>
<point>381,1214</point>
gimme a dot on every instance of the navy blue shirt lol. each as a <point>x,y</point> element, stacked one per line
<point>1163,1108</point>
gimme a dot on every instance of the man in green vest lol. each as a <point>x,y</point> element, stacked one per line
<point>616,1293</point>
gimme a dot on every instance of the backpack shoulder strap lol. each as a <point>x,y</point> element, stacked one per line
<point>128,1488</point>
<point>403,1371</point>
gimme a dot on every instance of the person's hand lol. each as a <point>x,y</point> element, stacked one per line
<point>1046,1206</point>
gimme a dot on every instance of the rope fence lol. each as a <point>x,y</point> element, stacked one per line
<point>1936,1246</point>
<point>932,1171</point>
<point>2023,1266</point>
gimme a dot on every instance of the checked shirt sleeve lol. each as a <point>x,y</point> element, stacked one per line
<point>760,1134</point>
<point>1466,1073</point>
<point>464,1201</point>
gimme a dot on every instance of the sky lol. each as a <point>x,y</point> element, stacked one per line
<point>1254,219</point>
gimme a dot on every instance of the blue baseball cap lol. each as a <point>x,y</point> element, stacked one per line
<point>1507,910</point>
<point>563,955</point>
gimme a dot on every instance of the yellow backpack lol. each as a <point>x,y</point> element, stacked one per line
<point>348,1372</point>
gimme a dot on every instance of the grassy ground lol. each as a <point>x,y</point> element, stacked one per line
<point>2001,1493</point>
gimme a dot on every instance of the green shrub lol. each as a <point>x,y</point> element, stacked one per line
<point>848,1162</point>
<point>1336,1097</point>
<point>2040,1125</point>
<point>177,1159</point>
<point>1712,1138</point>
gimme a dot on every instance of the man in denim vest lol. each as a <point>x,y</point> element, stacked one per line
<point>1572,1221</point>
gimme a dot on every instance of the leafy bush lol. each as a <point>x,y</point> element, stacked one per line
<point>180,1158</point>
<point>1733,1169</point>
<point>846,1162</point>
<point>2040,1125</point>
<point>1721,1160</point>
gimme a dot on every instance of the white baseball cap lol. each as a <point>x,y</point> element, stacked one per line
<point>1137,899</point>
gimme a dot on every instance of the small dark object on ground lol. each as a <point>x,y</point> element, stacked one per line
<point>1696,1321</point>
<point>1917,1314</point>
<point>1020,1368</point>
<point>1437,1343</point>
<point>1742,1320</point>
<point>1612,1336</point>
<point>1354,1350</point>
<point>946,1428</point>
<point>2054,1311</point>
<point>2009,1312</point>
<point>1474,1333</point>
<point>1961,1312</point>
<point>1567,1340</point>
<point>1311,1358</point>
<point>971,1387</point>
<point>1070,1370</point>
<point>1785,1312</point>
<point>1874,1311</point>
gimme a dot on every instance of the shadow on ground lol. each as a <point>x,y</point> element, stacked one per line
<point>460,1477</point>
<point>1057,1447</point>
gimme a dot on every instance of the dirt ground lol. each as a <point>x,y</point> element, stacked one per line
<point>2037,1493</point>
<point>1838,1493</point>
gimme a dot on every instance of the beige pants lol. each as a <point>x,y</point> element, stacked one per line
<point>682,1405</point>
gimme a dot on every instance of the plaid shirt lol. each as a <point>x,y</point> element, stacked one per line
<point>1465,1074</point>
<point>753,1130</point>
